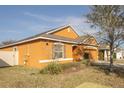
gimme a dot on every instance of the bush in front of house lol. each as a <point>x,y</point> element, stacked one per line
<point>52,68</point>
<point>57,68</point>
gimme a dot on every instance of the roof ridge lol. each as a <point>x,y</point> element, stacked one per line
<point>56,36</point>
<point>38,35</point>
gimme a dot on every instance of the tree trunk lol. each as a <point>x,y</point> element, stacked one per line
<point>111,58</point>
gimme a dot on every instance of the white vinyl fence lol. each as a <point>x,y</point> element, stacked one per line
<point>8,58</point>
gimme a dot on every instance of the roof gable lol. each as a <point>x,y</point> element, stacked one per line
<point>87,39</point>
<point>65,31</point>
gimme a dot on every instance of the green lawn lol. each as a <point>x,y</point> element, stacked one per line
<point>87,76</point>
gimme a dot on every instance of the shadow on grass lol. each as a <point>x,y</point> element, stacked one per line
<point>116,69</point>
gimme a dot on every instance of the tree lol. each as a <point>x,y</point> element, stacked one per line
<point>7,42</point>
<point>110,21</point>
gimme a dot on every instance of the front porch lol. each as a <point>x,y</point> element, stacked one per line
<point>85,52</point>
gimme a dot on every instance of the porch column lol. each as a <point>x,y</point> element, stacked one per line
<point>105,55</point>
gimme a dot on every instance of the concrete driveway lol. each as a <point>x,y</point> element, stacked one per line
<point>116,65</point>
<point>3,63</point>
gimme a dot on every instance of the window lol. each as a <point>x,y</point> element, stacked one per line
<point>58,50</point>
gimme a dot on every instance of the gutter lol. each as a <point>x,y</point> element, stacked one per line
<point>37,39</point>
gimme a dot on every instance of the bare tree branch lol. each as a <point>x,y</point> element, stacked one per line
<point>110,19</point>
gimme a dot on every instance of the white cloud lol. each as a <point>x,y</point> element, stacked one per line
<point>43,17</point>
<point>63,20</point>
<point>38,28</point>
<point>75,20</point>
<point>79,23</point>
<point>10,31</point>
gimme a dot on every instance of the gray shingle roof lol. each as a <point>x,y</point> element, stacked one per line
<point>82,39</point>
<point>103,46</point>
<point>46,35</point>
<point>38,35</point>
<point>58,37</point>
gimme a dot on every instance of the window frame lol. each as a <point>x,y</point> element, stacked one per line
<point>61,51</point>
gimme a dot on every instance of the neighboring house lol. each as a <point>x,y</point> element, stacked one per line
<point>62,44</point>
<point>104,52</point>
<point>119,54</point>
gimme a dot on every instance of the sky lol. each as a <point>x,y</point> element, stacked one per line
<point>18,22</point>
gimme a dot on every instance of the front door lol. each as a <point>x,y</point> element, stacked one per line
<point>86,56</point>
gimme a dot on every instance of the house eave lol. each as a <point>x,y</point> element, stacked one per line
<point>45,38</point>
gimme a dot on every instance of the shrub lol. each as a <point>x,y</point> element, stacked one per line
<point>52,68</point>
<point>56,68</point>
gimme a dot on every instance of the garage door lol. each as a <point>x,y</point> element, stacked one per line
<point>8,58</point>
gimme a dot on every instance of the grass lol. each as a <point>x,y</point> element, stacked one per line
<point>86,76</point>
<point>92,85</point>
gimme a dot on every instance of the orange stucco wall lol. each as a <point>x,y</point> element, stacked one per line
<point>32,52</point>
<point>7,49</point>
<point>43,51</point>
<point>67,32</point>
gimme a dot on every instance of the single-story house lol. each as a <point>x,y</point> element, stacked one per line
<point>62,44</point>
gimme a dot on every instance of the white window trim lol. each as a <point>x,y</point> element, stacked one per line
<point>59,43</point>
<point>92,47</point>
<point>52,60</point>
